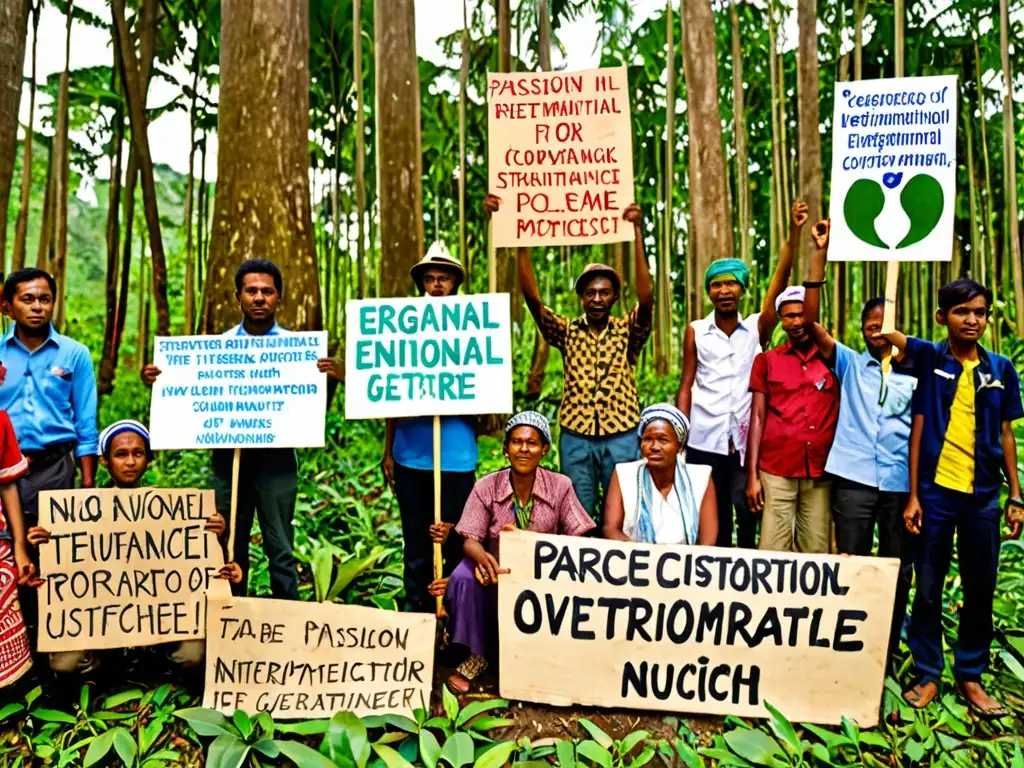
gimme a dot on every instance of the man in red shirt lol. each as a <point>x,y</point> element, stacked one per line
<point>792,423</point>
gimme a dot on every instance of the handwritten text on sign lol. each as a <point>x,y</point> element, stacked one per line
<point>560,156</point>
<point>308,660</point>
<point>894,169</point>
<point>235,391</point>
<point>428,357</point>
<point>693,629</point>
<point>126,567</point>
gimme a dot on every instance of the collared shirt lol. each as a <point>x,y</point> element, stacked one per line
<point>12,464</point>
<point>414,443</point>
<point>955,469</point>
<point>872,438</point>
<point>599,395</point>
<point>802,408</point>
<point>489,508</point>
<point>720,404</point>
<point>50,393</point>
<point>239,330</point>
<point>997,399</point>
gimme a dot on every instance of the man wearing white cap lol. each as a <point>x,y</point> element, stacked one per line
<point>600,408</point>
<point>792,424</point>
<point>408,463</point>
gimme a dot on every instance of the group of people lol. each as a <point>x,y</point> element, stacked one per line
<point>808,447</point>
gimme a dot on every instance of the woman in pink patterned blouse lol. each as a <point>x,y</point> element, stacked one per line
<point>524,496</point>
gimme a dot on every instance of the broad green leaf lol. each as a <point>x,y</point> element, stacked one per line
<point>148,734</point>
<point>475,708</point>
<point>784,731</point>
<point>267,747</point>
<point>591,750</point>
<point>430,750</point>
<point>874,739</point>
<point>496,756</point>
<point>390,757</point>
<point>820,752</point>
<point>227,751</point>
<point>117,699</point>
<point>98,749</point>
<point>627,744</point>
<point>11,709</point>
<point>303,727</point>
<point>125,746</point>
<point>832,740</point>
<point>53,716</point>
<point>303,756</point>
<point>206,722</point>
<point>596,733</point>
<point>1012,664</point>
<point>458,750</point>
<point>753,745</point>
<point>451,704</point>
<point>852,731</point>
<point>1018,758</point>
<point>725,757</point>
<point>486,723</point>
<point>644,757</point>
<point>400,722</point>
<point>914,750</point>
<point>242,723</point>
<point>566,753</point>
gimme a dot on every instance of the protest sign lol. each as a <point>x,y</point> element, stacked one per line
<point>693,629</point>
<point>560,156</point>
<point>308,660</point>
<point>236,391</point>
<point>126,567</point>
<point>894,169</point>
<point>428,356</point>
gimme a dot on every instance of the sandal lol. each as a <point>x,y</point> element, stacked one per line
<point>914,696</point>
<point>459,682</point>
<point>990,713</point>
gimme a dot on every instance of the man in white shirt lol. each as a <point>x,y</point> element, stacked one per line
<point>714,392</point>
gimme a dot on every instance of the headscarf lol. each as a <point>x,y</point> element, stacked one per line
<point>727,267</point>
<point>682,486</point>
<point>115,429</point>
<point>793,293</point>
<point>530,419</point>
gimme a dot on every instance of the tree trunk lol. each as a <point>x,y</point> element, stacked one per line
<point>545,57</point>
<point>988,203</point>
<point>135,89</point>
<point>21,229</point>
<point>63,166</point>
<point>779,219</point>
<point>13,31</point>
<point>663,305</point>
<point>357,75</point>
<point>105,379</point>
<point>710,219</point>
<point>46,224</point>
<point>809,120</point>
<point>261,207</point>
<point>399,158</point>
<point>740,135</point>
<point>1010,171</point>
<point>190,266</point>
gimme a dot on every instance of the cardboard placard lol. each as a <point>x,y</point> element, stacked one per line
<point>235,391</point>
<point>308,660</point>
<point>560,156</point>
<point>126,567</point>
<point>694,629</point>
<point>894,169</point>
<point>428,356</point>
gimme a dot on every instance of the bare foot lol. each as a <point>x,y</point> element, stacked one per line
<point>458,684</point>
<point>979,701</point>
<point>921,695</point>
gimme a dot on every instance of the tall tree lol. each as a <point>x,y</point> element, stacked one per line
<point>740,135</point>
<point>105,380</point>
<point>809,120</point>
<point>135,91</point>
<point>1010,169</point>
<point>357,83</point>
<point>262,205</point>
<point>663,327</point>
<point>13,30</point>
<point>21,228</point>
<point>710,221</point>
<point>190,261</point>
<point>62,167</point>
<point>399,158</point>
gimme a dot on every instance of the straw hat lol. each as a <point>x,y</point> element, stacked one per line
<point>597,270</point>
<point>438,257</point>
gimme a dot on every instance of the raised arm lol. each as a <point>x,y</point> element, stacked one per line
<point>780,278</point>
<point>644,284</point>
<point>815,279</point>
<point>528,282</point>
<point>684,398</point>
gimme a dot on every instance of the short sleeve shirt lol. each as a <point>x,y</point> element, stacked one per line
<point>489,508</point>
<point>803,407</point>
<point>12,464</point>
<point>599,396</point>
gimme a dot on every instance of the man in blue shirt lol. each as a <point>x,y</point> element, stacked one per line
<point>408,463</point>
<point>49,391</point>
<point>267,477</point>
<point>962,449</point>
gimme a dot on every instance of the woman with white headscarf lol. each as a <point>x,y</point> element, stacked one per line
<point>661,499</point>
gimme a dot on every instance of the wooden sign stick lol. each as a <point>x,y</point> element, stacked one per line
<point>437,507</point>
<point>235,462</point>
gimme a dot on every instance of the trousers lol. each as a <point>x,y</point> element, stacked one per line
<point>589,463</point>
<point>975,523</point>
<point>415,491</point>
<point>795,505</point>
<point>267,487</point>
<point>730,481</point>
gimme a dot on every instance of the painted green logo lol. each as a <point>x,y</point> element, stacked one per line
<point>921,199</point>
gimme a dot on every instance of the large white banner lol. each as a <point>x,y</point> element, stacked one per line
<point>560,156</point>
<point>428,356</point>
<point>239,392</point>
<point>894,169</point>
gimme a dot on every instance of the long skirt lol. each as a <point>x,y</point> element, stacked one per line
<point>15,655</point>
<point>472,611</point>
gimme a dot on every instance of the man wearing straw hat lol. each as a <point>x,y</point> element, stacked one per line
<point>600,408</point>
<point>408,461</point>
